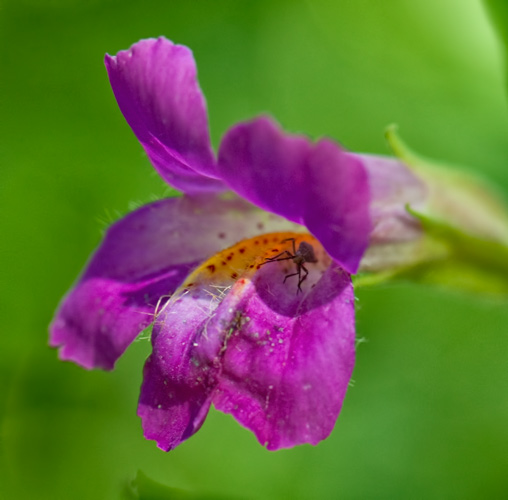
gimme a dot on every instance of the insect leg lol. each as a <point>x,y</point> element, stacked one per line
<point>289,276</point>
<point>294,246</point>
<point>276,257</point>
<point>301,280</point>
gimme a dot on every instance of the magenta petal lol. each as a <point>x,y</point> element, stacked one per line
<point>267,167</point>
<point>179,376</point>
<point>145,256</point>
<point>286,370</point>
<point>318,185</point>
<point>156,88</point>
<point>337,211</point>
<point>100,317</point>
<point>393,187</point>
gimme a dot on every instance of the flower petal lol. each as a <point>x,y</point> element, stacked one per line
<point>397,239</point>
<point>213,313</point>
<point>156,88</point>
<point>315,185</point>
<point>145,256</point>
<point>393,187</point>
<point>181,373</point>
<point>286,370</point>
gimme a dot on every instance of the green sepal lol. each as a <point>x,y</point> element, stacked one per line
<point>471,264</point>
<point>465,231</point>
<point>464,263</point>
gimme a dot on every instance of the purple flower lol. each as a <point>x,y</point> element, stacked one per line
<point>237,331</point>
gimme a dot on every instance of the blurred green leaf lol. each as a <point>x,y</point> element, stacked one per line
<point>144,488</point>
<point>498,13</point>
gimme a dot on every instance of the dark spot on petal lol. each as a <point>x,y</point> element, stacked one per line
<point>275,239</point>
<point>234,275</point>
<point>211,268</point>
<point>222,235</point>
<point>258,266</point>
<point>229,257</point>
<point>223,262</point>
<point>260,226</point>
<point>275,250</point>
<point>265,241</point>
<point>251,266</point>
<point>242,250</point>
<point>256,242</point>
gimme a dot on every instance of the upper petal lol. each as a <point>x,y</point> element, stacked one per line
<point>397,239</point>
<point>393,187</point>
<point>315,185</point>
<point>145,256</point>
<point>156,88</point>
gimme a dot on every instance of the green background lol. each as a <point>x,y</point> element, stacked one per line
<point>427,415</point>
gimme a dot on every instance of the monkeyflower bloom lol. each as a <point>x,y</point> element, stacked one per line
<point>246,277</point>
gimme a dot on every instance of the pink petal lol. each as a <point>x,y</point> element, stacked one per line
<point>144,257</point>
<point>156,88</point>
<point>286,370</point>
<point>318,185</point>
